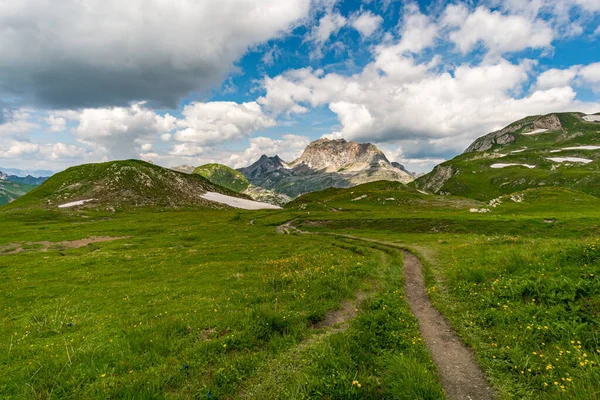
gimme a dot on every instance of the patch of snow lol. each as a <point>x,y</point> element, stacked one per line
<point>578,148</point>
<point>495,202</point>
<point>535,132</point>
<point>517,151</point>
<point>480,210</point>
<point>500,165</point>
<point>237,202</point>
<point>422,191</point>
<point>364,196</point>
<point>75,203</point>
<point>390,199</point>
<point>592,118</point>
<point>570,159</point>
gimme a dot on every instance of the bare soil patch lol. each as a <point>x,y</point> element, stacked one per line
<point>16,248</point>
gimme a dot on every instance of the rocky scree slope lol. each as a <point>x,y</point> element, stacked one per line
<point>325,163</point>
<point>559,149</point>
<point>123,184</point>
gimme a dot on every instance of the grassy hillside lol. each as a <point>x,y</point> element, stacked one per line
<point>472,174</point>
<point>121,184</point>
<point>224,176</point>
<point>10,191</point>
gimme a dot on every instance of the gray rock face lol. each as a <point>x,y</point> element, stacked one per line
<point>437,178</point>
<point>324,163</point>
<point>402,168</point>
<point>506,135</point>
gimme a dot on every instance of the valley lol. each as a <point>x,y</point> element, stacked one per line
<point>128,280</point>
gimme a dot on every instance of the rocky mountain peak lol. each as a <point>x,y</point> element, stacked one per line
<point>336,154</point>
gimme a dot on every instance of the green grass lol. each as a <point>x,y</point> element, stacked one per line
<point>198,302</point>
<point>192,303</point>
<point>223,176</point>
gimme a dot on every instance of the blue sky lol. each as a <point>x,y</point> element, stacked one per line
<point>228,80</point>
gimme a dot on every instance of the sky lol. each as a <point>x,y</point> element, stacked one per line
<point>198,81</point>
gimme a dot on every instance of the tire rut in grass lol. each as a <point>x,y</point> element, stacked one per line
<point>460,375</point>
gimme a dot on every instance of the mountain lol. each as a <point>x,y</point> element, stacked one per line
<point>224,176</point>
<point>122,184</point>
<point>23,173</point>
<point>324,163</point>
<point>10,191</point>
<point>12,187</point>
<point>234,180</point>
<point>559,149</point>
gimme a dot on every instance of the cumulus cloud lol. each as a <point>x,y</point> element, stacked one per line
<point>329,24</point>
<point>121,131</point>
<point>289,147</point>
<point>57,124</point>
<point>556,77</point>
<point>498,33</point>
<point>366,23</point>
<point>448,108</point>
<point>98,53</point>
<point>590,75</point>
<point>212,123</point>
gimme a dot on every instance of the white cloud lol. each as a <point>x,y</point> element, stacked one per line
<point>121,131</point>
<point>590,75</point>
<point>57,124</point>
<point>208,124</point>
<point>418,32</point>
<point>499,33</point>
<point>151,50</point>
<point>366,23</point>
<point>20,123</point>
<point>553,78</point>
<point>328,25</point>
<point>289,147</point>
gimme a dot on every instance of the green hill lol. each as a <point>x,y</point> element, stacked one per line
<point>122,183</point>
<point>551,150</point>
<point>224,176</point>
<point>10,191</point>
<point>377,196</point>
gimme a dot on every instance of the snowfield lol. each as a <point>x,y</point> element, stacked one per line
<point>592,118</point>
<point>570,159</point>
<point>535,132</point>
<point>501,165</point>
<point>237,202</point>
<point>75,203</point>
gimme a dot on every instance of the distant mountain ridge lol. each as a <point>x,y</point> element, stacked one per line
<point>12,186</point>
<point>325,163</point>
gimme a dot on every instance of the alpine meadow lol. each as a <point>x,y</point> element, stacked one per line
<point>309,199</point>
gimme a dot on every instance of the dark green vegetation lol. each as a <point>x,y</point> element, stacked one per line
<point>223,176</point>
<point>471,175</point>
<point>117,184</point>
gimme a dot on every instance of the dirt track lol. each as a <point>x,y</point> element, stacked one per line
<point>460,375</point>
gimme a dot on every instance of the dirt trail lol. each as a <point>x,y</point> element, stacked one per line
<point>460,375</point>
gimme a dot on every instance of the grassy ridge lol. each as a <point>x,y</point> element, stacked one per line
<point>223,176</point>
